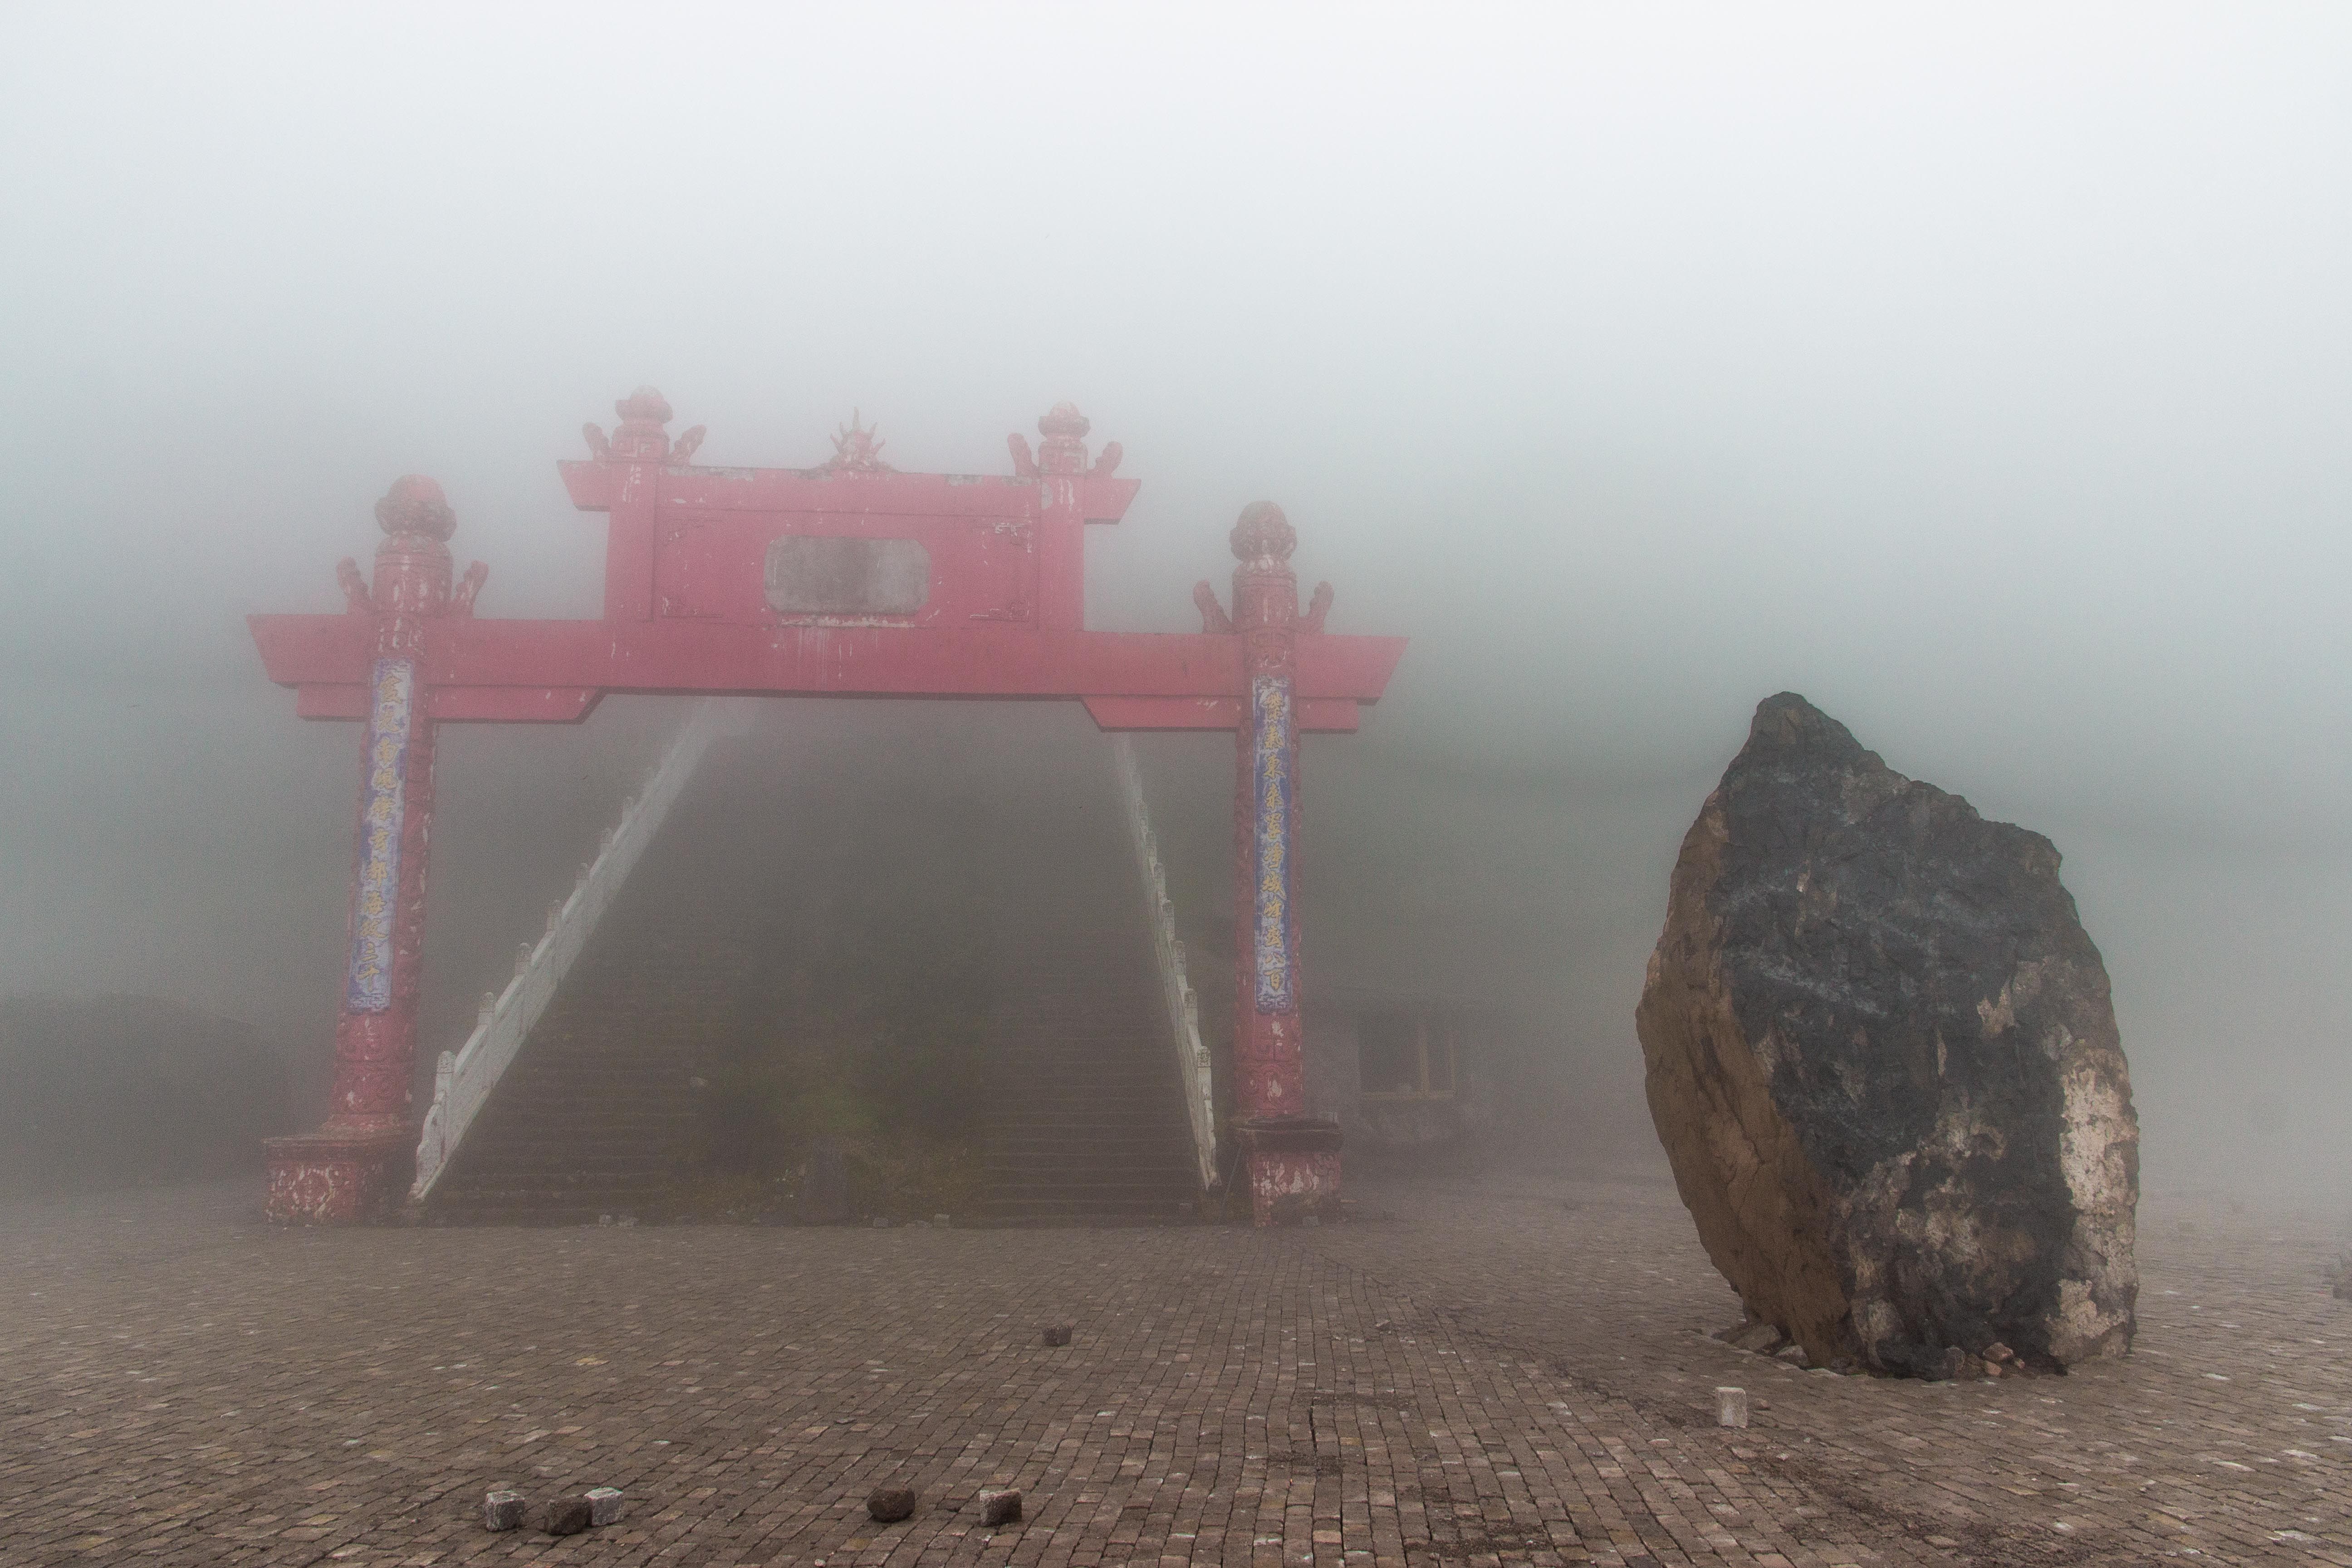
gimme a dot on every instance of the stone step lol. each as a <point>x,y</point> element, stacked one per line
<point>586,1115</point>
<point>531,1216</point>
<point>1081,1211</point>
<point>1145,1193</point>
<point>613,1109</point>
<point>1078,1130</point>
<point>573,1155</point>
<point>1103,1123</point>
<point>1090,1133</point>
<point>1080,1169</point>
<point>1158,1151</point>
<point>1090,1151</point>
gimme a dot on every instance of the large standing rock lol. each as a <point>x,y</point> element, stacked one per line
<point>1883,1059</point>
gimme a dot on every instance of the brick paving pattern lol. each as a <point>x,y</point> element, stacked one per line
<point>2225,1436</point>
<point>1512,1370</point>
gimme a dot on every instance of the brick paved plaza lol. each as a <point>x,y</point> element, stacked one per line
<point>1512,1369</point>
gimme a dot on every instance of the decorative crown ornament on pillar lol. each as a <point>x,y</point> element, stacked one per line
<point>1262,537</point>
<point>1064,450</point>
<point>412,565</point>
<point>1266,589</point>
<point>416,504</point>
<point>642,436</point>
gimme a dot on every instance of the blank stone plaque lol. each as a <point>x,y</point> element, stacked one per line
<point>816,576</point>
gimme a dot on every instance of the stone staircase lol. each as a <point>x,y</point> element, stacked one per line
<point>595,1117</point>
<point>1085,1121</point>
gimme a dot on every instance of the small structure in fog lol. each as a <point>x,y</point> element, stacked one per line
<point>1402,1072</point>
<point>1883,1061</point>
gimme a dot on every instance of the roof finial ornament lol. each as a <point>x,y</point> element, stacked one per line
<point>640,438</point>
<point>1262,537</point>
<point>1064,450</point>
<point>416,504</point>
<point>412,564</point>
<point>856,449</point>
<point>645,405</point>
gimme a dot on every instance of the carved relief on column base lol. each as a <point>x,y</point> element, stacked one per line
<point>331,1178</point>
<point>1294,1168</point>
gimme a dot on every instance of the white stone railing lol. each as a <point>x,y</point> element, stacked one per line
<point>1175,984</point>
<point>463,1079</point>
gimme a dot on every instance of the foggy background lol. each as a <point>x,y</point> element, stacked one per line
<point>1984,375</point>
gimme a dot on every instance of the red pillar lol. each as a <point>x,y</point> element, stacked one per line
<point>1293,1157</point>
<point>353,1166</point>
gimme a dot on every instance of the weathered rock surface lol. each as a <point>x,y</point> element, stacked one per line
<point>568,1516</point>
<point>1883,1058</point>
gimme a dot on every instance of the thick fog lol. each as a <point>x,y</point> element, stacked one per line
<point>1985,375</point>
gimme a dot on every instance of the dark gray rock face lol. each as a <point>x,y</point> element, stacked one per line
<point>1883,1058</point>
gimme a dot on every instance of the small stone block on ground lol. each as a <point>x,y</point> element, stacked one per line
<point>1000,1506</point>
<point>1731,1407</point>
<point>603,1506</point>
<point>888,1505</point>
<point>567,1516</point>
<point>1057,1333</point>
<point>503,1511</point>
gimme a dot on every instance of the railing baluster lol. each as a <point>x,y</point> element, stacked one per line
<point>1168,949</point>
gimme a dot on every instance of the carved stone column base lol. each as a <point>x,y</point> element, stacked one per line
<point>1294,1168</point>
<point>336,1178</point>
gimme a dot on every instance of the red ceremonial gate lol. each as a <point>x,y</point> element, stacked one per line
<point>850,579</point>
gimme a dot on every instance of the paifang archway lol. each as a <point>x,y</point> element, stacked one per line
<point>847,579</point>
